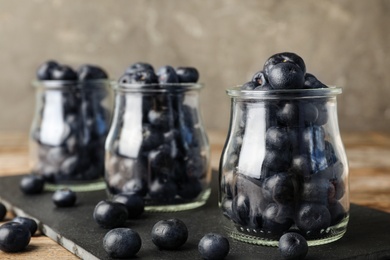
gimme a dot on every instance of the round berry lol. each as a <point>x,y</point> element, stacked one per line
<point>3,211</point>
<point>134,203</point>
<point>122,243</point>
<point>139,77</point>
<point>63,72</point>
<point>91,72</point>
<point>32,184</point>
<point>167,74</point>
<point>286,76</point>
<point>64,198</point>
<point>284,57</point>
<point>213,247</point>
<point>313,217</point>
<point>139,66</point>
<point>293,246</point>
<point>44,71</point>
<point>169,234</point>
<point>250,85</point>
<point>110,214</point>
<point>187,74</point>
<point>28,222</point>
<point>312,82</point>
<point>14,237</point>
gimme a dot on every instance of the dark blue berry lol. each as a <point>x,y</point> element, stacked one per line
<point>110,214</point>
<point>312,82</point>
<point>286,76</point>
<point>297,114</point>
<point>151,137</point>
<point>250,85</point>
<point>279,188</point>
<point>293,246</point>
<point>301,165</point>
<point>241,209</point>
<point>337,212</point>
<point>63,72</point>
<point>277,138</point>
<point>161,119</point>
<point>136,185</point>
<point>64,198</point>
<point>14,237</point>
<point>167,74</point>
<point>91,72</point>
<point>169,234</point>
<point>32,184</point>
<point>277,218</point>
<point>322,109</point>
<point>134,203</point>
<point>163,190</point>
<point>316,190</point>
<point>44,71</point>
<point>277,160</point>
<point>259,78</point>
<point>187,74</point>
<point>213,246</point>
<point>28,222</point>
<point>3,211</point>
<point>312,217</point>
<point>284,57</point>
<point>190,189</point>
<point>139,77</point>
<point>160,161</point>
<point>138,66</point>
<point>122,243</point>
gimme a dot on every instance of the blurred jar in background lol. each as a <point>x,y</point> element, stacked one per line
<point>70,125</point>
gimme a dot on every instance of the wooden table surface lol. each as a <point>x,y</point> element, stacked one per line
<point>368,155</point>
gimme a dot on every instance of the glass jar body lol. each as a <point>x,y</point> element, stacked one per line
<point>157,147</point>
<point>284,168</point>
<point>68,132</point>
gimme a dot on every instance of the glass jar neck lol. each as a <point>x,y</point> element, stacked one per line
<point>167,88</point>
<point>71,85</point>
<point>237,93</point>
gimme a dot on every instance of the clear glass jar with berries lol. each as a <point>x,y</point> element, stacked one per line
<point>157,146</point>
<point>284,168</point>
<point>71,121</point>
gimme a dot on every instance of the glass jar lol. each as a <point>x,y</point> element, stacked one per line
<point>157,146</point>
<point>284,167</point>
<point>68,132</point>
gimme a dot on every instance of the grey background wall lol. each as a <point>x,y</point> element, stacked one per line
<point>344,43</point>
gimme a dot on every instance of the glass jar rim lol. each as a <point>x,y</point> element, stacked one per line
<point>60,84</point>
<point>156,87</point>
<point>236,92</point>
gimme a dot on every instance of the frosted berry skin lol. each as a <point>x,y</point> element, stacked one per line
<point>110,214</point>
<point>157,146</point>
<point>169,234</point>
<point>213,246</point>
<point>122,243</point>
<point>284,167</point>
<point>293,246</point>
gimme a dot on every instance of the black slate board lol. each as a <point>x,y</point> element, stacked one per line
<point>368,235</point>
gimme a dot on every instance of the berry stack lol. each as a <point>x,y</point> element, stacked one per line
<point>284,166</point>
<point>157,146</point>
<point>70,124</point>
